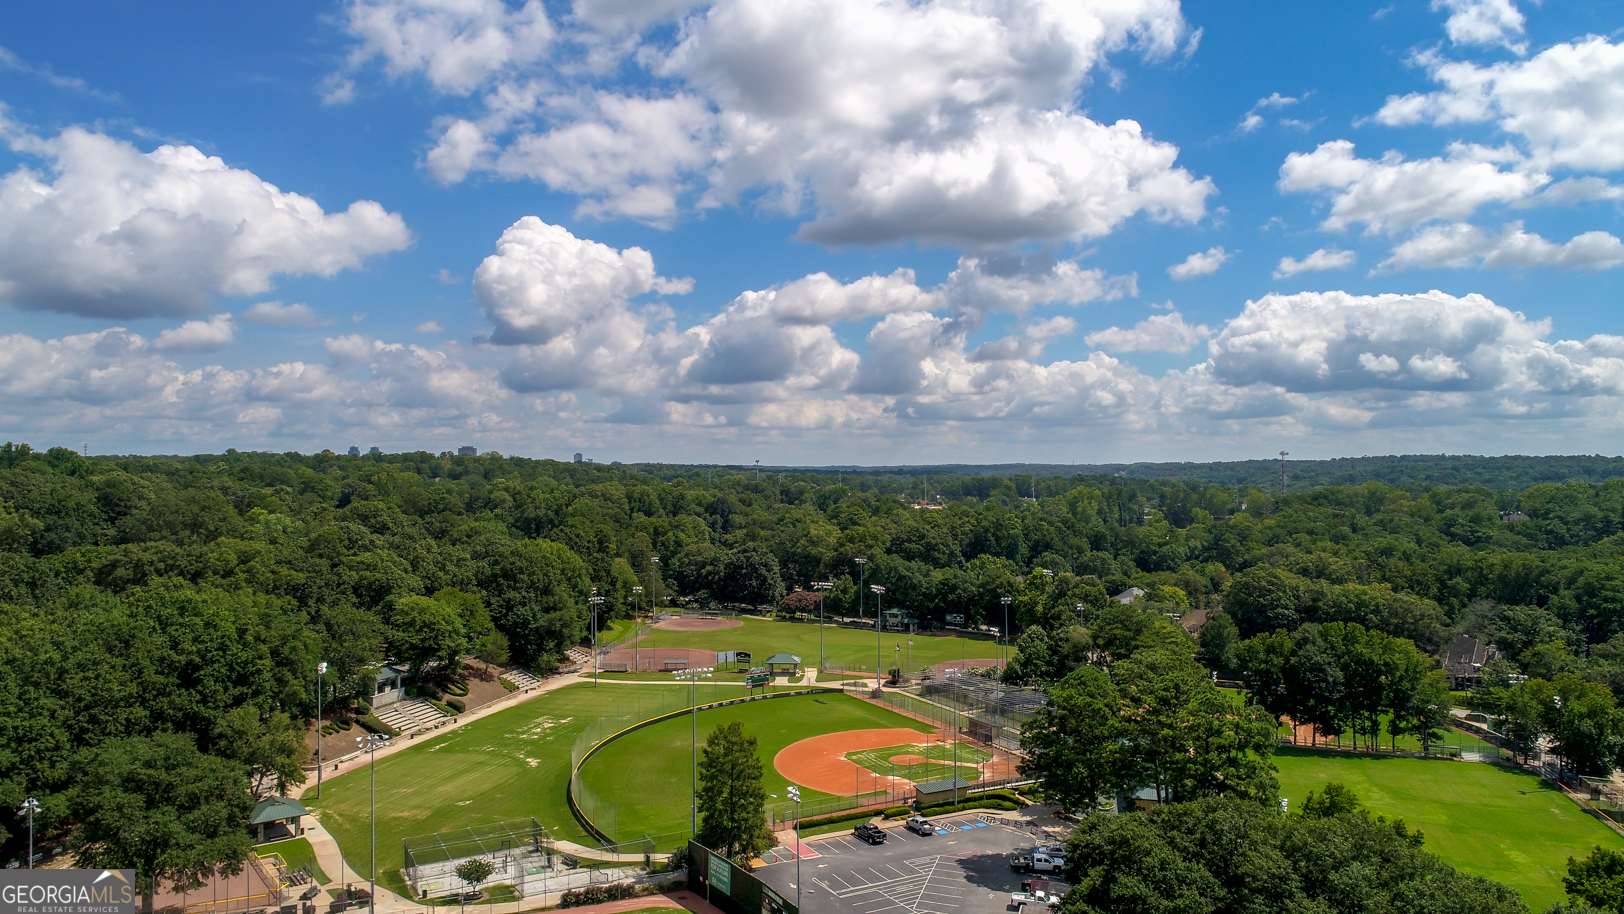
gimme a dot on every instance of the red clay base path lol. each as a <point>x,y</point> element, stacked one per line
<point>818,762</point>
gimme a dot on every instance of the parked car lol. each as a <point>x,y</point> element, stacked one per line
<point>1035,860</point>
<point>920,825</point>
<point>869,832</point>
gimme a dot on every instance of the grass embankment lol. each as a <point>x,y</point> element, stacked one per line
<point>296,853</point>
<point>647,773</point>
<point>1491,820</point>
<point>511,765</point>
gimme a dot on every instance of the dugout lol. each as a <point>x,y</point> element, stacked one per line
<point>946,791</point>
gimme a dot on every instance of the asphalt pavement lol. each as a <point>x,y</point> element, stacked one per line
<point>964,870</point>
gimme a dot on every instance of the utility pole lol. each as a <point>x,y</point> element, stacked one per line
<point>637,595</point>
<point>595,601</point>
<point>860,563</point>
<point>820,587</point>
<point>879,634</point>
<point>30,806</point>
<point>1283,455</point>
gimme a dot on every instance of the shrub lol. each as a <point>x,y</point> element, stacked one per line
<point>507,684</point>
<point>854,816</point>
<point>376,726</point>
<point>597,894</point>
<point>459,689</point>
<point>456,704</point>
<point>345,725</point>
<point>363,708</point>
<point>1003,805</point>
<point>898,812</point>
<point>443,709</point>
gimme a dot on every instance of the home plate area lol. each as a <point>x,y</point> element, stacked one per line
<point>964,870</point>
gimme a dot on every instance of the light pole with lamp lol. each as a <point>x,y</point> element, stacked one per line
<point>370,744</point>
<point>693,676</point>
<point>637,595</point>
<point>29,807</point>
<point>321,670</point>
<point>654,587</point>
<point>1006,601</point>
<point>795,794</point>
<point>595,601</point>
<point>879,633</point>
<point>1080,614</point>
<point>820,587</point>
<point>861,562</point>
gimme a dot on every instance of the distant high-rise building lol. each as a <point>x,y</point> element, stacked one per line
<point>467,451</point>
<point>373,450</point>
<point>577,457</point>
<point>355,451</point>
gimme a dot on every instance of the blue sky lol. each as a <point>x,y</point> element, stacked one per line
<point>814,231</point>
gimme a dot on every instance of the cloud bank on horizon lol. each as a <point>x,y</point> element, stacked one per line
<point>1008,238</point>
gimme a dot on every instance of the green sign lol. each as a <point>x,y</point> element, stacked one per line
<point>721,874</point>
<point>753,681</point>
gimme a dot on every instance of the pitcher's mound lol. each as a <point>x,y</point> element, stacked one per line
<point>907,760</point>
<point>696,625</point>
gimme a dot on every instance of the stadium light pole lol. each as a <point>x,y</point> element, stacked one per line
<point>637,594</point>
<point>1006,601</point>
<point>654,583</point>
<point>595,601</point>
<point>1079,614</point>
<point>820,587</point>
<point>795,794</point>
<point>31,806</point>
<point>321,670</point>
<point>860,563</point>
<point>370,744</point>
<point>879,633</point>
<point>693,676</point>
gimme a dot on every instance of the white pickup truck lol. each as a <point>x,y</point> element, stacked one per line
<point>1050,859</point>
<point>1020,900</point>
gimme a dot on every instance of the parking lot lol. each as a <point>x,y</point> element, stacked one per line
<point>964,870</point>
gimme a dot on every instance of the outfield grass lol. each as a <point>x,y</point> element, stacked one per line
<point>646,775</point>
<point>848,648</point>
<point>1490,820</point>
<point>510,765</point>
<point>1406,743</point>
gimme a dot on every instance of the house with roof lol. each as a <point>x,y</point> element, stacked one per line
<point>389,681</point>
<point>277,818</point>
<point>1463,660</point>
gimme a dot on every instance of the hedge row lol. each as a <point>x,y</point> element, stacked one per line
<point>597,894</point>
<point>1003,805</point>
<point>456,704</point>
<point>441,707</point>
<point>507,684</point>
<point>459,689</point>
<point>375,725</point>
<point>838,818</point>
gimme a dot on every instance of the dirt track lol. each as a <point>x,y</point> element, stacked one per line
<point>696,625</point>
<point>819,762</point>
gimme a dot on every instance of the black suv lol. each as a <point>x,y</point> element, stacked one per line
<point>870,832</point>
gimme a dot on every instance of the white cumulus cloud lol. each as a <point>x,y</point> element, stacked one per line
<point>1200,263</point>
<point>1157,333</point>
<point>110,231</point>
<point>1322,259</point>
<point>277,314</point>
<point>1393,193</point>
<point>1483,22</point>
<point>1459,245</point>
<point>1565,103</point>
<point>213,333</point>
<point>456,44</point>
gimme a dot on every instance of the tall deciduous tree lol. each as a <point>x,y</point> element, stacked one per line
<point>732,800</point>
<point>158,806</point>
<point>1073,744</point>
<point>1597,880</point>
<point>271,747</point>
<point>427,631</point>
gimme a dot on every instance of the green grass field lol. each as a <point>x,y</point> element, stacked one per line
<point>1407,743</point>
<point>643,779</point>
<point>296,853</point>
<point>510,765</point>
<point>940,765</point>
<point>847,648</point>
<point>1485,819</point>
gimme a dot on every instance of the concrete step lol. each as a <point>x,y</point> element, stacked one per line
<point>524,679</point>
<point>409,714</point>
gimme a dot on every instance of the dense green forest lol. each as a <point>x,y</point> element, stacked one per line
<point>193,596</point>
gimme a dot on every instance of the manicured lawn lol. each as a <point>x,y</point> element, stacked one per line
<point>1485,819</point>
<point>849,648</point>
<point>511,765</point>
<point>296,853</point>
<point>1406,743</point>
<point>643,778</point>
